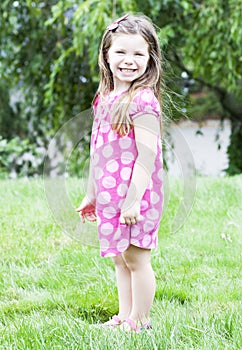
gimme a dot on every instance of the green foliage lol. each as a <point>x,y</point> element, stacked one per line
<point>204,104</point>
<point>84,44</point>
<point>52,81</point>
<point>7,126</point>
<point>20,158</point>
<point>79,159</point>
<point>214,41</point>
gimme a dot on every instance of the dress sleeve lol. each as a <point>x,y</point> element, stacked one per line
<point>144,102</point>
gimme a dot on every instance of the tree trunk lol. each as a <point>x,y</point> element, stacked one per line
<point>234,150</point>
<point>233,105</point>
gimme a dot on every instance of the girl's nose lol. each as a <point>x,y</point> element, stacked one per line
<point>128,60</point>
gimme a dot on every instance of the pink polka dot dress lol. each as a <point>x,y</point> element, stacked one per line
<point>113,158</point>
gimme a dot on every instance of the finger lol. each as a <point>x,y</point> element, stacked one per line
<point>91,217</point>
<point>82,217</point>
<point>122,220</point>
<point>128,221</point>
<point>132,221</point>
<point>79,209</point>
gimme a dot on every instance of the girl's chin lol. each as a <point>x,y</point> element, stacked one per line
<point>127,78</point>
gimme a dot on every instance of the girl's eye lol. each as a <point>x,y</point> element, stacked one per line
<point>139,54</point>
<point>120,51</point>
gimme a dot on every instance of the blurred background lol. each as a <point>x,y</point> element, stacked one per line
<point>49,74</point>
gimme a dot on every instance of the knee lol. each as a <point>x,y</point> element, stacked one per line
<point>132,265</point>
<point>132,262</point>
<point>136,259</point>
<point>119,262</point>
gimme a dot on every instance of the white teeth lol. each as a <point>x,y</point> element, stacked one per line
<point>127,70</point>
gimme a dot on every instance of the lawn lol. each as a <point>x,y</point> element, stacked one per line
<point>54,286</point>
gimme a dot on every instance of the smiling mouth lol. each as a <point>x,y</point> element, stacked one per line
<point>127,70</point>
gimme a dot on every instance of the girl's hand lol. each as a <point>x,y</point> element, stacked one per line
<point>130,214</point>
<point>87,210</point>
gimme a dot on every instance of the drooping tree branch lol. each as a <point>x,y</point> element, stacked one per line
<point>230,102</point>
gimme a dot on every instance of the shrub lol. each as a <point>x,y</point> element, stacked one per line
<point>20,158</point>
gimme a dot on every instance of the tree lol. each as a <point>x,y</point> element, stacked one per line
<point>208,48</point>
<point>40,67</point>
<point>49,51</point>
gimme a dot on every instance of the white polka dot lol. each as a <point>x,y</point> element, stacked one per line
<point>95,159</point>
<point>122,190</point>
<point>152,214</point>
<point>146,241</point>
<point>104,128</point>
<point>135,231</point>
<point>109,182</point>
<point>107,151</point>
<point>98,111</point>
<point>109,255</point>
<point>112,166</point>
<point>109,212</point>
<point>125,143</point>
<point>99,141</point>
<point>127,157</point>
<point>104,244</point>
<point>112,136</point>
<point>160,174</point>
<point>144,205</point>
<point>154,198</point>
<point>94,134</point>
<point>103,197</point>
<point>148,226</point>
<point>117,234</point>
<point>134,242</point>
<point>122,245</point>
<point>147,96</point>
<point>98,173</point>
<point>107,228</point>
<point>125,173</point>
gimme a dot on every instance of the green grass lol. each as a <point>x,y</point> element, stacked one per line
<point>53,287</point>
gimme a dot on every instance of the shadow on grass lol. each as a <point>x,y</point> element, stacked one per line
<point>171,295</point>
<point>90,314</point>
<point>95,314</point>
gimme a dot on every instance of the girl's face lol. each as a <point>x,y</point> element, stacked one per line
<point>128,58</point>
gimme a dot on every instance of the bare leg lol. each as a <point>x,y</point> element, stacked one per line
<point>142,281</point>
<point>123,276</point>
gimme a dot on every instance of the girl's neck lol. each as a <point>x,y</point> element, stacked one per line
<point>117,92</point>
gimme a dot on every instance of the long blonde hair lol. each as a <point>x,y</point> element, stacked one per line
<point>120,119</point>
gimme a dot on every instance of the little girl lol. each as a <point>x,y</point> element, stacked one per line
<point>124,192</point>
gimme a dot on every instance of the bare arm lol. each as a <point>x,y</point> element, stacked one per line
<point>90,193</point>
<point>87,208</point>
<point>146,129</point>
